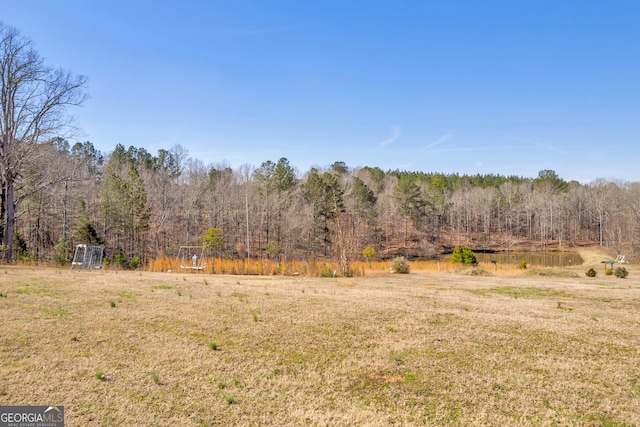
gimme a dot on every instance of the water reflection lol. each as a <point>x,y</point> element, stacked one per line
<point>542,258</point>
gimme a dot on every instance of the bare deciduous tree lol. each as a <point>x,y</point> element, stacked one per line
<point>33,101</point>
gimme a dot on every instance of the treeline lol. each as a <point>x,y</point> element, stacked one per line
<point>143,206</point>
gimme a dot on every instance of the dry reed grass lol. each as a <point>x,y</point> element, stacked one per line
<point>267,267</point>
<point>259,267</point>
<point>434,348</point>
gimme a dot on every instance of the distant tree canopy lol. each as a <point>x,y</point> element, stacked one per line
<point>143,204</point>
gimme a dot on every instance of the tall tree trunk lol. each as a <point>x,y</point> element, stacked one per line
<point>3,211</point>
<point>11,220</point>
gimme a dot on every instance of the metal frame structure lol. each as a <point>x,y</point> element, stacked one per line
<point>191,258</point>
<point>88,256</point>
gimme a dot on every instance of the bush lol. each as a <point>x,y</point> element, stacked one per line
<point>400,265</point>
<point>135,262</point>
<point>273,249</point>
<point>591,273</point>
<point>608,272</point>
<point>456,255</point>
<point>468,257</point>
<point>621,272</point>
<point>522,265</point>
<point>120,260</point>
<point>464,255</point>
<point>61,251</point>
<point>19,246</point>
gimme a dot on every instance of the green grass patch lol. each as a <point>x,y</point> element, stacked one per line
<point>59,312</point>
<point>409,378</point>
<point>297,357</point>
<point>606,421</point>
<point>128,294</point>
<point>32,291</point>
<point>521,292</point>
<point>602,299</point>
<point>158,287</point>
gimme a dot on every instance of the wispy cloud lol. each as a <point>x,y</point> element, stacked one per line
<point>542,145</point>
<point>444,138</point>
<point>395,134</point>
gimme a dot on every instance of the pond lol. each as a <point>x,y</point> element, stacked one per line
<point>539,258</point>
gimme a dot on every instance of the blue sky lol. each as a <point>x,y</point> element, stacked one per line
<point>502,87</point>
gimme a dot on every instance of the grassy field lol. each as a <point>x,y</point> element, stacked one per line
<point>428,348</point>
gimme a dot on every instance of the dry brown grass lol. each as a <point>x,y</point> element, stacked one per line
<point>435,348</point>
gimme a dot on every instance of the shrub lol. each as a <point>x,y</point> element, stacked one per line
<point>621,272</point>
<point>19,246</point>
<point>400,265</point>
<point>61,251</point>
<point>464,255</point>
<point>591,273</point>
<point>468,257</point>
<point>273,249</point>
<point>608,272</point>
<point>29,256</point>
<point>120,259</point>
<point>135,262</point>
<point>456,255</point>
<point>522,265</point>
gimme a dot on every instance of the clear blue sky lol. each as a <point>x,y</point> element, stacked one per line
<point>504,87</point>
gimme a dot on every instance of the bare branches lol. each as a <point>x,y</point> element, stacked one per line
<point>33,103</point>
